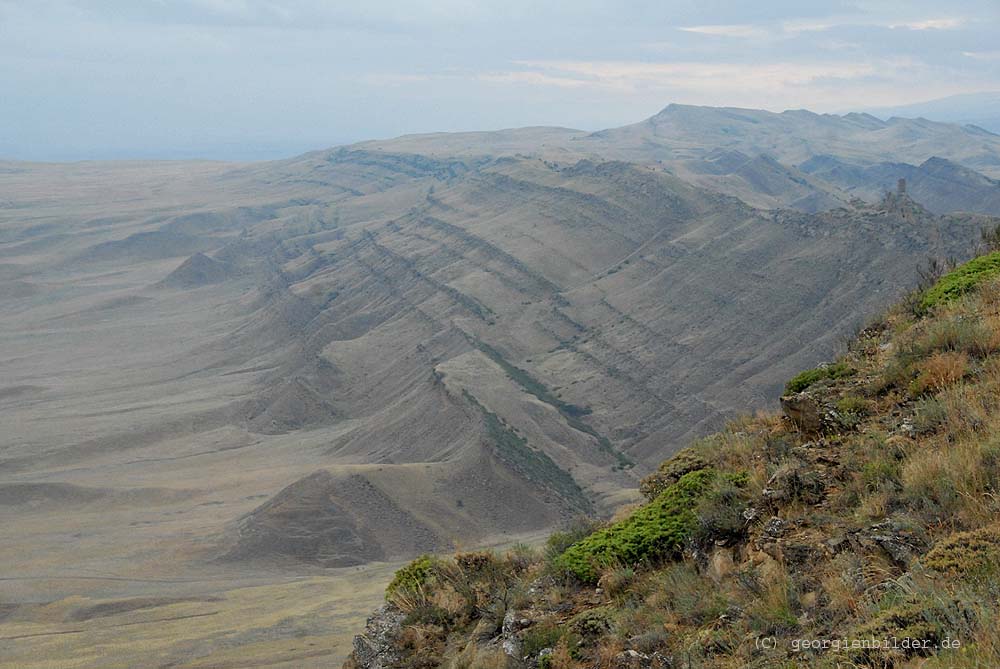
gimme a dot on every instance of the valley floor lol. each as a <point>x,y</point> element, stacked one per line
<point>299,622</point>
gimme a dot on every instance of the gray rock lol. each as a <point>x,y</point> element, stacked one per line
<point>373,649</point>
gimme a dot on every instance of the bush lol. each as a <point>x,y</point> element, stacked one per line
<point>670,471</point>
<point>957,333</point>
<point>853,404</point>
<point>925,620</point>
<point>616,580</point>
<point>881,475</point>
<point>592,622</point>
<point>558,542</point>
<point>688,595</point>
<point>720,510</point>
<point>929,414</point>
<point>658,530</point>
<point>962,280</point>
<point>967,553</point>
<point>541,636</point>
<point>803,380</point>
<point>412,577</point>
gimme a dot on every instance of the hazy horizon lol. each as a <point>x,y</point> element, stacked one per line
<point>249,79</point>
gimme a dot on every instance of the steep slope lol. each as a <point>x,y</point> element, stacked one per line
<point>762,181</point>
<point>654,317</point>
<point>534,332</point>
<point>858,528</point>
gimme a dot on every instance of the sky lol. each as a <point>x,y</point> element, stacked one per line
<point>257,79</point>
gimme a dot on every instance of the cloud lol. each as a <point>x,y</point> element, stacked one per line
<point>982,55</point>
<point>777,30</point>
<point>691,76</point>
<point>930,24</point>
<point>740,31</point>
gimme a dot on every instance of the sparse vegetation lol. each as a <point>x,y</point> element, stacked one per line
<point>533,464</point>
<point>882,526</point>
<point>571,412</point>
<point>803,380</point>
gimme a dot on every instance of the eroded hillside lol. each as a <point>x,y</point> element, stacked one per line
<point>218,376</point>
<point>856,528</point>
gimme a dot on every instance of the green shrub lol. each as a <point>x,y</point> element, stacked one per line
<point>851,410</point>
<point>670,471</point>
<point>592,622</point>
<point>803,380</point>
<point>881,475</point>
<point>925,619</point>
<point>558,542</point>
<point>657,530</point>
<point>720,510</point>
<point>412,577</point>
<point>962,279</point>
<point>967,553</point>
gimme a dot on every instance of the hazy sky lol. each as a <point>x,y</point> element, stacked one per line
<point>260,78</point>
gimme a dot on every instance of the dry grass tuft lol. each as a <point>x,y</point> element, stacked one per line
<point>940,370</point>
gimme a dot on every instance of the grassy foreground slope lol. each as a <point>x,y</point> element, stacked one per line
<point>859,527</point>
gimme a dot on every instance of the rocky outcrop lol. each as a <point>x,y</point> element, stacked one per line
<point>373,649</point>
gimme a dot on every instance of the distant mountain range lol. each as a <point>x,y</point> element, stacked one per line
<point>981,109</point>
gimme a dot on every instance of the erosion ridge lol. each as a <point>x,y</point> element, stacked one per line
<point>858,526</point>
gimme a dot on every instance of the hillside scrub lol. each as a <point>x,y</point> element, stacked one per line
<point>806,378</point>
<point>962,279</point>
<point>882,526</point>
<point>656,530</point>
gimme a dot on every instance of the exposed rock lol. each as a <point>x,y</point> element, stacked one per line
<point>794,481</point>
<point>510,643</point>
<point>373,649</point>
<point>720,564</point>
<point>775,527</point>
<point>804,412</point>
<point>899,543</point>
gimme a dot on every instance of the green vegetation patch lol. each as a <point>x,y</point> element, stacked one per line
<point>918,626</point>
<point>659,529</point>
<point>670,471</point>
<point>967,553</point>
<point>413,577</point>
<point>802,380</point>
<point>962,279</point>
